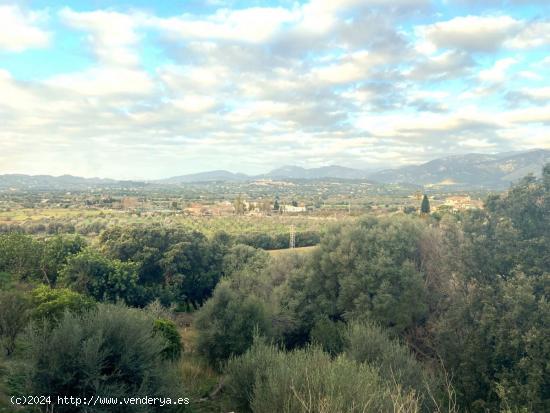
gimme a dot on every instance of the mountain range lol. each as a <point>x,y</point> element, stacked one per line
<point>471,170</point>
<point>63,182</point>
<point>493,171</point>
<point>460,171</point>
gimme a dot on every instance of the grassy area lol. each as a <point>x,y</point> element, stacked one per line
<point>299,250</point>
<point>198,379</point>
<point>35,214</point>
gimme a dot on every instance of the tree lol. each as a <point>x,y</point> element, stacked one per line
<point>20,256</point>
<point>240,257</point>
<point>14,308</point>
<point>370,269</point>
<point>276,205</point>
<point>425,206</point>
<point>172,263</point>
<point>492,335</point>
<point>239,205</point>
<point>227,323</point>
<point>494,340</point>
<point>188,271</point>
<point>55,252</point>
<point>52,303</point>
<point>91,273</point>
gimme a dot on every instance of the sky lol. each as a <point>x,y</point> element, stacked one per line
<point>151,89</point>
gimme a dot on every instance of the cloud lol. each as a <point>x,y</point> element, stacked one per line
<point>497,73</point>
<point>482,34</point>
<point>533,34</point>
<point>253,25</point>
<point>19,30</point>
<point>112,36</point>
<point>104,81</point>
<point>343,81</point>
<point>473,33</point>
<point>447,65</point>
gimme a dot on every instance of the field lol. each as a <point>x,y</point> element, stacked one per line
<point>287,251</point>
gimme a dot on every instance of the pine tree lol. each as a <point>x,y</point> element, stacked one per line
<point>425,206</point>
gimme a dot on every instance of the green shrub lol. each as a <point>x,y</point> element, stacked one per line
<point>329,335</point>
<point>14,308</point>
<point>369,343</point>
<point>51,303</point>
<point>112,351</point>
<point>168,331</point>
<point>227,323</point>
<point>266,380</point>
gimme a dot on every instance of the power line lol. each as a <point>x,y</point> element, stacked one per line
<point>292,243</point>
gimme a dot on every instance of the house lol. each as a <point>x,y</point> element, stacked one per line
<point>292,208</point>
<point>462,202</point>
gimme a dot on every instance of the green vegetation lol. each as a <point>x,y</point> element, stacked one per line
<point>425,206</point>
<point>403,312</point>
<point>111,351</point>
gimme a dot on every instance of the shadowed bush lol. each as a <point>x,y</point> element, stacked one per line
<point>112,351</point>
<point>266,380</point>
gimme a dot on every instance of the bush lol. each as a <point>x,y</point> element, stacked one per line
<point>51,303</point>
<point>369,270</point>
<point>369,343</point>
<point>227,323</point>
<point>104,279</point>
<point>168,331</point>
<point>109,352</point>
<point>329,335</point>
<point>269,380</point>
<point>13,318</point>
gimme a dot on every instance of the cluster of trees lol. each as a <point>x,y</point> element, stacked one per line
<point>403,313</point>
<point>467,295</point>
<point>135,265</point>
<point>277,241</point>
<point>54,226</point>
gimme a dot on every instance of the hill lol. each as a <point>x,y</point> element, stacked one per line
<point>472,170</point>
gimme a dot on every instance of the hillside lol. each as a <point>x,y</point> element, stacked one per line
<point>471,170</point>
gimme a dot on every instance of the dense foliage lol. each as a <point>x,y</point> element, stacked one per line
<point>413,313</point>
<point>112,351</point>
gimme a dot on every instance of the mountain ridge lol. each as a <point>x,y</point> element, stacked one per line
<point>473,170</point>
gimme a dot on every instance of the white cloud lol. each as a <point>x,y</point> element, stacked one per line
<point>482,34</point>
<point>194,103</point>
<point>542,93</point>
<point>104,81</point>
<point>527,74</point>
<point>112,34</point>
<point>19,31</point>
<point>475,33</point>
<point>253,25</point>
<point>497,73</point>
<point>533,34</point>
<point>349,69</point>
<point>325,81</point>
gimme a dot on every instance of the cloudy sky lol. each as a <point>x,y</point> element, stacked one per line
<point>150,89</point>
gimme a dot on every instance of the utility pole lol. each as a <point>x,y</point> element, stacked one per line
<point>292,243</point>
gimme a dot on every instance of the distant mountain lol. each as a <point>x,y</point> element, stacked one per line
<point>286,172</point>
<point>333,171</point>
<point>472,170</point>
<point>63,182</point>
<point>210,176</point>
